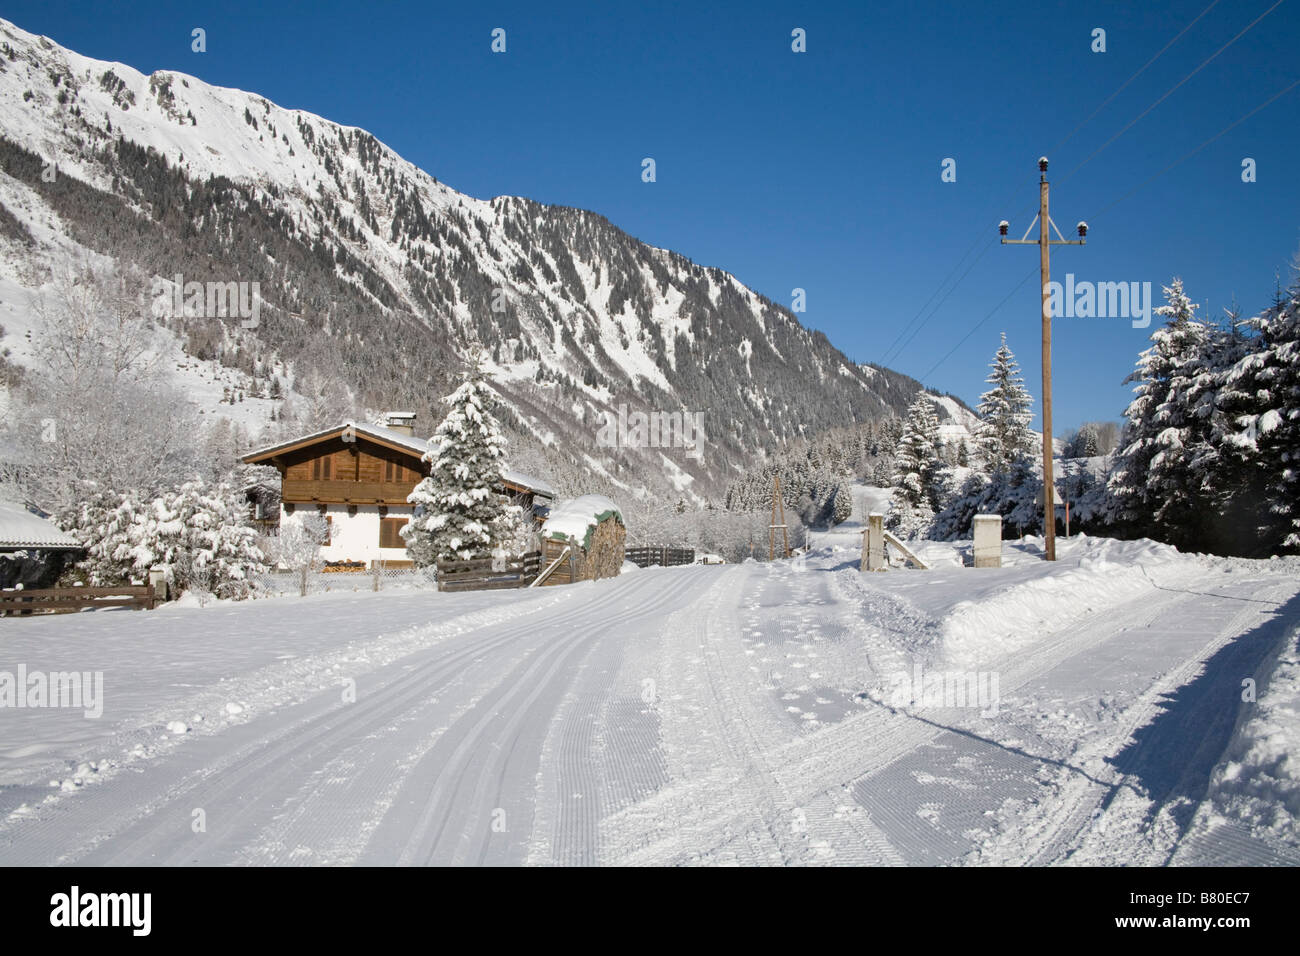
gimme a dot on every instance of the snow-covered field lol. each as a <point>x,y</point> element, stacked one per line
<point>789,713</point>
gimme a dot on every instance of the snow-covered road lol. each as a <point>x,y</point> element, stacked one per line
<point>741,714</point>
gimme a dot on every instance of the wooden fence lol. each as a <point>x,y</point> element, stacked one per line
<point>61,600</point>
<point>477,574</point>
<point>662,556</point>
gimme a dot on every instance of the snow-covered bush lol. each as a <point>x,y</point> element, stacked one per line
<point>298,546</point>
<point>200,536</point>
<point>198,533</point>
<point>100,520</point>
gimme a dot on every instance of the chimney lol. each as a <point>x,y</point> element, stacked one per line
<point>403,422</point>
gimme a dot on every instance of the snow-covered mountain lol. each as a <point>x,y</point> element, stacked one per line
<point>372,271</point>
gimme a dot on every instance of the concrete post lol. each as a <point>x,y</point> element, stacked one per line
<point>158,581</point>
<point>988,541</point>
<point>873,546</point>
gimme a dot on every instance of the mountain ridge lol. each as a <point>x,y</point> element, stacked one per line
<point>374,272</point>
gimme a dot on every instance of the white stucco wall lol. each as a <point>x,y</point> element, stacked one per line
<point>355,537</point>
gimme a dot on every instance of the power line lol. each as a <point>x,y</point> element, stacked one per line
<point>908,340</point>
<point>1166,169</point>
<point>1131,123</point>
<point>885,358</point>
<point>980,323</point>
<point>1188,155</point>
<point>1139,72</point>
<point>897,346</point>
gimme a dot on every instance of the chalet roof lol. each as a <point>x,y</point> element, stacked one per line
<point>393,439</point>
<point>20,528</point>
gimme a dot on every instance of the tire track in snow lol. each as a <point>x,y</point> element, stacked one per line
<point>674,825</point>
<point>777,796</point>
<point>485,751</point>
<point>252,766</point>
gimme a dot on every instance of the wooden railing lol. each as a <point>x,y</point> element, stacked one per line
<point>345,492</point>
<point>61,600</point>
<point>662,556</point>
<point>477,574</point>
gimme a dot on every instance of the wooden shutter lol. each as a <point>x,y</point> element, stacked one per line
<point>389,536</point>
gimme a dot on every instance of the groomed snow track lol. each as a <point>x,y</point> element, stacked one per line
<point>713,715</point>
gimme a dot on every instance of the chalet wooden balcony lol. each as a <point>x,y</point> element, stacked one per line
<point>345,492</point>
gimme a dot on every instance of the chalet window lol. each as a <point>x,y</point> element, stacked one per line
<point>388,471</point>
<point>388,532</point>
<point>320,469</point>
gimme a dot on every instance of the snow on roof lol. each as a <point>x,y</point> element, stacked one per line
<point>528,481</point>
<point>578,517</point>
<point>416,445</point>
<point>19,528</point>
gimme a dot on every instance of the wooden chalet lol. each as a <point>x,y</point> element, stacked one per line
<point>358,477</point>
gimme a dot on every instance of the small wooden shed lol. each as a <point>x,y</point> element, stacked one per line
<point>33,550</point>
<point>586,535</point>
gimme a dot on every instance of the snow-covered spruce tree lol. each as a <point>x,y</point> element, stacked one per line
<point>842,503</point>
<point>1155,484</point>
<point>1257,474</point>
<point>1004,435</point>
<point>459,512</point>
<point>918,460</point>
<point>1084,443</point>
<point>1012,493</point>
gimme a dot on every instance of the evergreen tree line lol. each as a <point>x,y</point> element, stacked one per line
<point>1210,456</point>
<point>816,473</point>
<point>1207,457</point>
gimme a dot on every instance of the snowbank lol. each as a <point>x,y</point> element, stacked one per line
<point>1259,783</point>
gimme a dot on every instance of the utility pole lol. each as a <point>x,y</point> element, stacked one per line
<point>771,529</point>
<point>1044,243</point>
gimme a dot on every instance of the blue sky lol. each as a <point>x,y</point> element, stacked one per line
<point>818,170</point>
